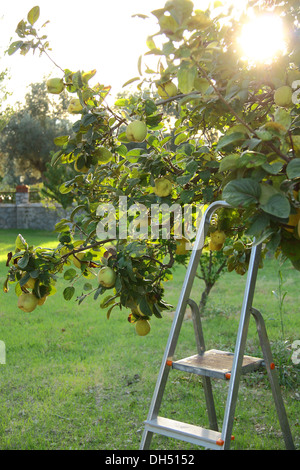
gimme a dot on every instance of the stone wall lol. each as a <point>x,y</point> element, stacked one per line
<point>35,216</point>
<point>23,214</point>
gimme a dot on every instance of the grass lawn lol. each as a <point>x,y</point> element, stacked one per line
<point>75,380</point>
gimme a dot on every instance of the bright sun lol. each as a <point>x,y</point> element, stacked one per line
<point>262,38</point>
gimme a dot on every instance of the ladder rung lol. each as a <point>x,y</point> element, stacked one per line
<point>215,363</point>
<point>186,432</point>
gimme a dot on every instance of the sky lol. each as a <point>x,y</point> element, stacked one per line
<point>85,35</point>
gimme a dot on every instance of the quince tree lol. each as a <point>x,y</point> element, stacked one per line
<point>235,138</point>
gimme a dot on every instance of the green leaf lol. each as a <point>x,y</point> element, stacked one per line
<point>180,9</point>
<point>70,274</point>
<point>110,310</point>
<point>259,224</point>
<point>186,196</point>
<point>64,188</point>
<point>150,107</point>
<point>131,81</point>
<point>68,293</point>
<point>33,15</point>
<point>251,159</point>
<point>14,47</point>
<point>88,119</point>
<point>107,301</point>
<point>272,168</point>
<point>145,307</point>
<point>229,162</point>
<point>242,192</point>
<point>55,157</point>
<point>293,168</point>
<point>61,140</point>
<point>87,286</point>
<point>168,24</point>
<point>180,138</point>
<point>22,263</point>
<point>229,139</point>
<point>277,205</point>
<point>77,209</point>
<point>186,78</point>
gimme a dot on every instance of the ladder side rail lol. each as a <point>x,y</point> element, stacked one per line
<point>240,345</point>
<point>273,379</point>
<point>178,317</point>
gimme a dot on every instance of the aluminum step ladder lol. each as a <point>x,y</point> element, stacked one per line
<point>213,363</point>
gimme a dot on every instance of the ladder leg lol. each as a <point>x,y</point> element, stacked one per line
<point>211,411</point>
<point>240,346</point>
<point>178,318</point>
<point>267,354</point>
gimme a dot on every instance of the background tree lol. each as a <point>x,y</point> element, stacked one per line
<point>28,137</point>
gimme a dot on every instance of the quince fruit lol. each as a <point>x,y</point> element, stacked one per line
<point>30,283</point>
<point>103,155</point>
<point>27,302</point>
<point>42,300</point>
<point>218,237</point>
<point>293,76</point>
<point>181,246</point>
<point>296,142</point>
<point>136,131</point>
<point>293,221</point>
<point>55,85</point>
<point>215,246</point>
<point>77,259</point>
<point>283,96</point>
<point>74,106</point>
<point>163,187</point>
<point>142,327</point>
<point>167,90</point>
<point>106,277</point>
<point>83,169</point>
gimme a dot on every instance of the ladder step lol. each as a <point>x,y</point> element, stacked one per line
<point>215,363</point>
<point>185,432</point>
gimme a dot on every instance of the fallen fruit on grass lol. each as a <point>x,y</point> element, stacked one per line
<point>136,131</point>
<point>27,302</point>
<point>283,96</point>
<point>106,277</point>
<point>142,327</point>
<point>163,187</point>
<point>55,85</point>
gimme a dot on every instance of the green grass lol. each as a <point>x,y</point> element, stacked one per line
<point>74,380</point>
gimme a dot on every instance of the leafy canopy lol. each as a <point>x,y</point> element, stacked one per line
<point>233,139</point>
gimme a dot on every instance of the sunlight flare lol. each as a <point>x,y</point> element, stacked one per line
<point>262,38</point>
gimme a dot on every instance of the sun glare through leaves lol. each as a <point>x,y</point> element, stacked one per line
<point>262,38</point>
